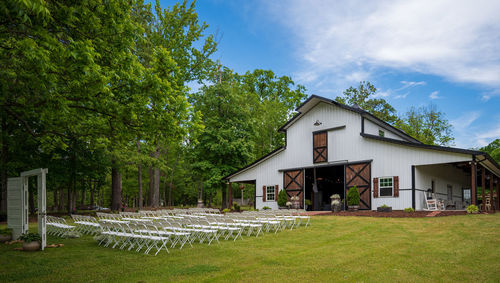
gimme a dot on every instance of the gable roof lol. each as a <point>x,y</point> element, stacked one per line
<point>313,100</point>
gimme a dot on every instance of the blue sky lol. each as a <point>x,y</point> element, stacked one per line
<point>415,52</point>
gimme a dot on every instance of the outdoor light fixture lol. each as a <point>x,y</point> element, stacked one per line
<point>317,123</point>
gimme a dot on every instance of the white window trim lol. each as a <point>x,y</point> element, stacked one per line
<point>273,194</point>
<point>380,186</point>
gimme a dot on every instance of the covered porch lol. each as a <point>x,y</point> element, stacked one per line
<point>454,186</point>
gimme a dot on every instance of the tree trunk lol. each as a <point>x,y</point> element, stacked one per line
<point>55,206</point>
<point>139,175</point>
<point>3,166</point>
<point>61,199</point>
<point>116,187</point>
<point>82,201</point>
<point>92,189</point>
<point>224,204</point>
<point>151,186</point>
<point>74,196</point>
<point>155,202</point>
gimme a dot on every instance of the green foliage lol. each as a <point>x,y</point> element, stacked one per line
<point>427,125</point>
<point>266,208</point>
<point>493,149</point>
<point>307,202</point>
<point>472,209</point>
<point>353,197</point>
<point>362,96</point>
<point>282,198</point>
<point>30,237</point>
<point>409,209</point>
<point>226,210</point>
<point>236,207</point>
<point>384,206</point>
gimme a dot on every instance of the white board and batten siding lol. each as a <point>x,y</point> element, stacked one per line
<point>345,145</point>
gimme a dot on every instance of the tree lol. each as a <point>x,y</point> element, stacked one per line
<point>493,149</point>
<point>361,96</point>
<point>427,125</point>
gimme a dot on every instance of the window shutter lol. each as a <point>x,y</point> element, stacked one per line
<point>375,187</point>
<point>276,191</point>
<point>396,186</point>
<point>263,193</point>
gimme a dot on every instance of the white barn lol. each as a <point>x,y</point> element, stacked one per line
<point>331,147</point>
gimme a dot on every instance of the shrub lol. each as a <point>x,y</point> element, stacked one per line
<point>409,209</point>
<point>353,196</point>
<point>384,206</point>
<point>472,208</point>
<point>308,202</point>
<point>282,198</point>
<point>236,207</point>
<point>30,237</point>
<point>266,208</point>
<point>226,210</point>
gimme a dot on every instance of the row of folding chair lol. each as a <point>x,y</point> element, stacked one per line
<point>86,224</point>
<point>57,226</point>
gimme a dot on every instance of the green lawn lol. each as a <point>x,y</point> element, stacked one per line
<point>455,248</point>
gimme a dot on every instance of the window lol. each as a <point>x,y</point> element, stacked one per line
<point>270,193</point>
<point>450,192</point>
<point>466,195</point>
<point>386,187</point>
<point>381,133</point>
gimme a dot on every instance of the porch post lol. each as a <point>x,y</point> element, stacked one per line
<point>498,194</point>
<point>230,194</point>
<point>483,188</point>
<point>473,180</point>
<point>492,206</point>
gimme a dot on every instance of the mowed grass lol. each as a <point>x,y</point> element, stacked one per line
<point>448,249</point>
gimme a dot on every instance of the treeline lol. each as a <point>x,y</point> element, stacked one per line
<point>98,93</point>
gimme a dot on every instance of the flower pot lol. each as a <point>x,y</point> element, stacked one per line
<point>5,238</point>
<point>31,246</point>
<point>384,209</point>
<point>353,207</point>
<point>336,205</point>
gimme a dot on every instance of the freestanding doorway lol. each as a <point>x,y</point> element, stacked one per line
<point>321,183</point>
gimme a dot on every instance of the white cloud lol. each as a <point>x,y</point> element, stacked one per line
<point>401,96</point>
<point>407,84</point>
<point>434,95</point>
<point>464,129</point>
<point>457,40</point>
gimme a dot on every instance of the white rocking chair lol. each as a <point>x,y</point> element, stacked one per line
<point>432,204</point>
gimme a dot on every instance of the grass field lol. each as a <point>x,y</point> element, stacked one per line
<point>449,249</point>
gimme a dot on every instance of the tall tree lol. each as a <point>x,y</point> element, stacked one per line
<point>493,149</point>
<point>427,125</point>
<point>363,97</point>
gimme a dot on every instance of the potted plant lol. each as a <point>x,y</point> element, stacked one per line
<point>336,203</point>
<point>384,208</point>
<point>31,241</point>
<point>353,198</point>
<point>295,202</point>
<point>282,199</point>
<point>472,209</point>
<point>5,235</point>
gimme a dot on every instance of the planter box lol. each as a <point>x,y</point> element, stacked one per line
<point>384,209</point>
<point>353,207</point>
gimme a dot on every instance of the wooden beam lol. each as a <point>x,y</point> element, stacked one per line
<point>473,181</point>
<point>483,188</point>
<point>230,195</point>
<point>492,206</point>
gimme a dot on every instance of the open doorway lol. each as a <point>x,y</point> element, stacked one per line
<point>321,183</point>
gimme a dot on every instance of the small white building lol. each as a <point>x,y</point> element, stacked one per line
<point>331,147</point>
